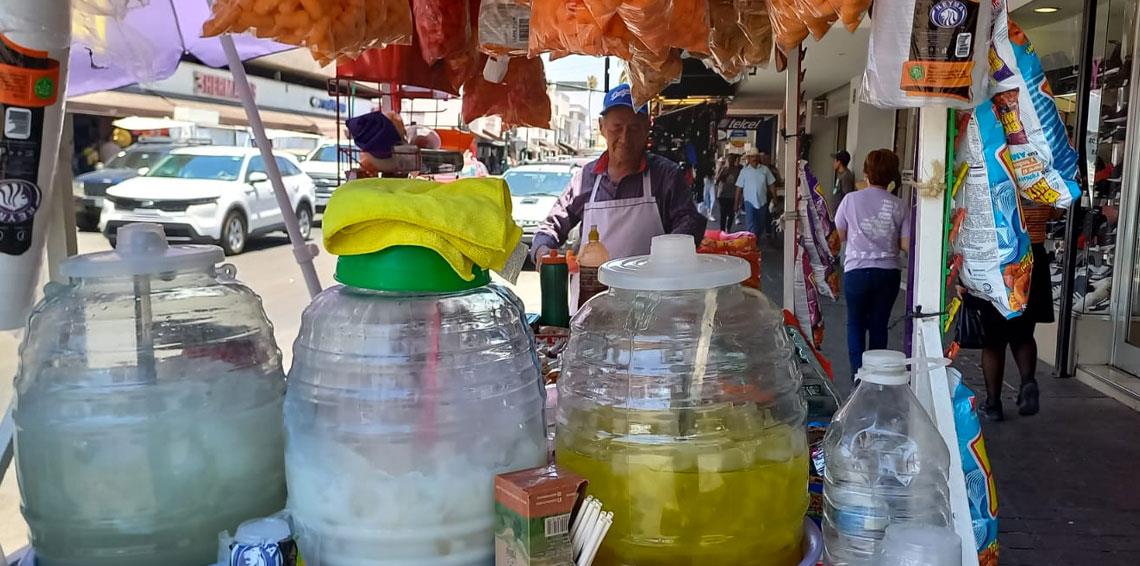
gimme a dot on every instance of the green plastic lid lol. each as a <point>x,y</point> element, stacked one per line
<point>405,269</point>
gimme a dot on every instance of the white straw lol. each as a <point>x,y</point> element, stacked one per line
<point>574,528</point>
<point>604,524</point>
<point>589,519</point>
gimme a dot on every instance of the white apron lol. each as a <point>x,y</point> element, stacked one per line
<point>625,226</point>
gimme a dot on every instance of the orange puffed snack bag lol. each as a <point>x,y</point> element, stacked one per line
<point>520,99</point>
<point>850,11</point>
<point>662,25</point>
<point>562,27</point>
<point>817,15</point>
<point>649,75</point>
<point>786,24</point>
<point>329,28</point>
<point>738,41</point>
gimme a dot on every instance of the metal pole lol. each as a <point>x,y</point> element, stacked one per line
<point>791,172</point>
<point>303,252</point>
<point>607,77</point>
<point>1084,91</point>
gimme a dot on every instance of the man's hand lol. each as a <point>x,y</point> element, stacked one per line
<point>539,254</point>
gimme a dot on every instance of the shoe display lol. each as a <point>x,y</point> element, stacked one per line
<point>1028,402</point>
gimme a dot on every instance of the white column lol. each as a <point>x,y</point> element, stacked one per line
<point>791,173</point>
<point>933,388</point>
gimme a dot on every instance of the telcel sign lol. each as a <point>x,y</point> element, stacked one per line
<point>327,104</point>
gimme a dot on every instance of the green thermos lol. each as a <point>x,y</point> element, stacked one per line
<point>554,277</point>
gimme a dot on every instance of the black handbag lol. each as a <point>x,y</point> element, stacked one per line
<point>971,330</point>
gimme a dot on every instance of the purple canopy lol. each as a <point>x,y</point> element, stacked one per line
<point>123,42</point>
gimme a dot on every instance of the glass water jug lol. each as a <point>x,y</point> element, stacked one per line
<point>148,407</point>
<point>410,390</point>
<point>679,401</point>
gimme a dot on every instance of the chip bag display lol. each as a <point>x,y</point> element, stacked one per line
<point>520,99</point>
<point>660,25</point>
<point>851,12</point>
<point>733,47</point>
<point>1044,161</point>
<point>786,23</point>
<point>562,27</point>
<point>928,52</point>
<point>331,29</point>
<point>981,489</point>
<point>820,237</point>
<point>649,76</point>
<point>817,15</point>
<point>993,243</point>
<point>504,27</point>
<point>443,27</point>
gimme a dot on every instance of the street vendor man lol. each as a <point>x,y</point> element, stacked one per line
<point>628,193</point>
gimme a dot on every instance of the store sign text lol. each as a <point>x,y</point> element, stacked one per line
<point>214,86</point>
<point>327,104</point>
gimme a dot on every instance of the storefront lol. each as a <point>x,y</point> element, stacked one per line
<point>1105,334</point>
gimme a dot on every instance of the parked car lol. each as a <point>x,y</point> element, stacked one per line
<point>535,187</point>
<point>327,170</point>
<point>217,195</point>
<point>89,188</point>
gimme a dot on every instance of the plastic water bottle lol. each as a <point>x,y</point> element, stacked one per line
<point>885,464</point>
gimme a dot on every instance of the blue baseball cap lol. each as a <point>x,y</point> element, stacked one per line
<point>621,95</point>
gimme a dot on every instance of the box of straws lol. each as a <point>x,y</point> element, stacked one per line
<point>532,516</point>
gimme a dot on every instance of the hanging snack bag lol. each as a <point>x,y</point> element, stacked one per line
<point>820,237</point>
<point>734,48</point>
<point>981,490</point>
<point>928,52</point>
<point>786,23</point>
<point>993,243</point>
<point>520,99</point>
<point>562,27</point>
<point>850,11</point>
<point>504,27</point>
<point>331,29</point>
<point>1044,161</point>
<point>443,27</point>
<point>649,76</point>
<point>660,25</point>
<point>817,15</point>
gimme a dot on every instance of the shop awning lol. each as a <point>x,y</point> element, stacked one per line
<point>141,123</point>
<point>117,103</point>
<point>569,149</point>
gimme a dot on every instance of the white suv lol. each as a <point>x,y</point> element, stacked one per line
<point>216,195</point>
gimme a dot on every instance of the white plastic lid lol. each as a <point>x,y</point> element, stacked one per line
<point>673,264</point>
<point>262,531</point>
<point>141,249</point>
<point>884,367</point>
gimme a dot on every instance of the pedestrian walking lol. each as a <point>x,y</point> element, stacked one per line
<point>871,222</point>
<point>726,191</point>
<point>754,191</point>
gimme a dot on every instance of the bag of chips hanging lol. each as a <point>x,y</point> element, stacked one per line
<point>660,25</point>
<point>504,27</point>
<point>520,99</point>
<point>850,11</point>
<point>992,240</point>
<point>786,24</point>
<point>329,28</point>
<point>562,27</point>
<point>734,48</point>
<point>648,75</point>
<point>817,15</point>
<point>820,236</point>
<point>928,52</point>
<point>443,27</point>
<point>1044,161</point>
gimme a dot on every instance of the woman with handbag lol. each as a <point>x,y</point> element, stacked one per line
<point>997,332</point>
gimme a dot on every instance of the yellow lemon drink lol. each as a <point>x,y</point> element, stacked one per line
<point>726,495</point>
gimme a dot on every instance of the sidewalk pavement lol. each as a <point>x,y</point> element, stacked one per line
<point>1066,494</point>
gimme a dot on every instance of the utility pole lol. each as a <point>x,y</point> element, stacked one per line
<point>607,79</point>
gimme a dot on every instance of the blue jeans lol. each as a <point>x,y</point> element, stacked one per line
<point>758,220</point>
<point>870,294</point>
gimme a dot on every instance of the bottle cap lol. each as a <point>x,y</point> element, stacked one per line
<point>553,258</point>
<point>262,531</point>
<point>405,269</point>
<point>141,249</point>
<point>593,235</point>
<point>884,367</point>
<point>673,264</point>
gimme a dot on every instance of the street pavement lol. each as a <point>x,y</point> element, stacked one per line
<point>1066,494</point>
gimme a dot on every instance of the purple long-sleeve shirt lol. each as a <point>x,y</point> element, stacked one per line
<point>674,200</point>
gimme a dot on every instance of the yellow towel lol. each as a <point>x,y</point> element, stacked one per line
<point>468,222</point>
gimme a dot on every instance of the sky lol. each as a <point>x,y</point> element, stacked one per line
<point>577,68</point>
